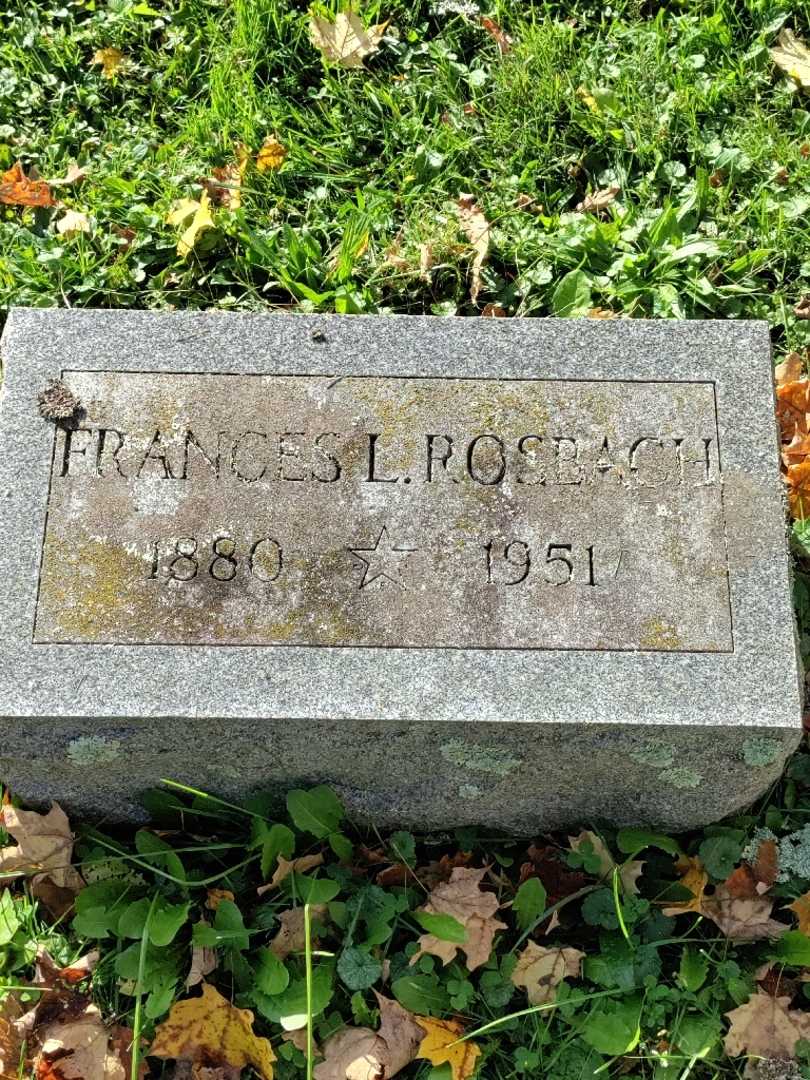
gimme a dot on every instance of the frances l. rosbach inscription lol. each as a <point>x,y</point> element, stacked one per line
<point>511,573</point>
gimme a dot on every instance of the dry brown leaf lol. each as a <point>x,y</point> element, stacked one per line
<point>802,309</point>
<point>766,865</point>
<point>628,874</point>
<point>695,879</point>
<point>286,867</point>
<point>73,222</point>
<point>11,1037</point>
<point>601,313</point>
<point>766,1027</point>
<point>290,938</point>
<point>798,481</point>
<point>111,60</point>
<point>502,40</point>
<point>463,898</point>
<point>425,261</point>
<point>216,896</point>
<point>440,1046</point>
<point>493,311</point>
<point>742,918</point>
<point>44,846</point>
<point>793,407</point>
<point>224,186</point>
<point>74,175</point>
<point>17,189</point>
<point>77,1049</point>
<point>362,1054</point>
<point>598,201</point>
<point>796,451</point>
<point>476,228</point>
<point>203,962</point>
<point>801,909</point>
<point>345,41</point>
<point>793,57</point>
<point>209,1031</point>
<point>541,970</point>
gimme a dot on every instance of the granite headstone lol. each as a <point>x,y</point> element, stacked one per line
<point>503,572</point>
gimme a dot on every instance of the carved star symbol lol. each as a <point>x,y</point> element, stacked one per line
<point>382,560</point>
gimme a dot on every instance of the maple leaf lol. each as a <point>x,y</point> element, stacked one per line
<point>793,57</point>
<point>17,189</point>
<point>541,970</point>
<point>111,59</point>
<point>285,867</point>
<point>742,918</point>
<point>793,407</point>
<point>271,155</point>
<point>463,899</point>
<point>77,1049</point>
<point>476,228</point>
<point>598,201</point>
<point>44,847</point>
<point>441,1046</point>
<point>796,451</point>
<point>362,1054</point>
<point>789,370</point>
<point>766,1027</point>
<point>345,41</point>
<point>196,219</point>
<point>695,879</point>
<point>209,1031</point>
<point>73,222</point>
<point>628,874</point>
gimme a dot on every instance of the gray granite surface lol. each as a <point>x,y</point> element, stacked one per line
<point>387,651</point>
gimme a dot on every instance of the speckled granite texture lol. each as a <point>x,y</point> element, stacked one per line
<point>650,731</point>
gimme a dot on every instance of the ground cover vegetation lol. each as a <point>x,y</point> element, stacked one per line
<point>452,158</point>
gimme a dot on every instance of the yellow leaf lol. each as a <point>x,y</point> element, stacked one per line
<point>801,909</point>
<point>216,896</point>
<point>110,59</point>
<point>793,57</point>
<point>441,1046</point>
<point>345,41</point>
<point>196,217</point>
<point>209,1031</point>
<point>695,879</point>
<point>271,154</point>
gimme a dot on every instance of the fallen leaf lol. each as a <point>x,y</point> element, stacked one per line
<point>793,407</point>
<point>439,870</point>
<point>362,1054</point>
<point>209,1031</point>
<point>74,175</point>
<point>541,970</point>
<point>476,228</point>
<point>286,867</point>
<point>290,938</point>
<point>802,309</point>
<point>766,864</point>
<point>628,873</point>
<point>742,918</point>
<point>801,909</point>
<point>345,41</point>
<point>196,217</point>
<point>798,480</point>
<point>766,1027</point>
<point>111,59</point>
<point>224,186</point>
<point>796,451</point>
<point>77,1049</point>
<point>11,1037</point>
<point>493,311</point>
<point>588,98</point>
<point>216,896</point>
<point>793,57</point>
<point>695,879</point>
<point>203,962</point>
<point>425,261</point>
<point>44,846</point>
<point>299,1040</point>
<point>271,155</point>
<point>502,40</point>
<point>463,899</point>
<point>601,313</point>
<point>440,1046</point>
<point>599,200</point>
<point>73,222</point>
<point>17,189</point>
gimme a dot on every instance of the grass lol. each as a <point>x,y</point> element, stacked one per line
<point>677,105</point>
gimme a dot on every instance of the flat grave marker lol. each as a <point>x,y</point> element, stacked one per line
<point>504,572</point>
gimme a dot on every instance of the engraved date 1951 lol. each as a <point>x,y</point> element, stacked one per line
<point>511,563</point>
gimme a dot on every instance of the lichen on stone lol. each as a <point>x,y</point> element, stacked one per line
<point>93,750</point>
<point>760,750</point>
<point>57,401</point>
<point>488,759</point>
<point>681,777</point>
<point>656,753</point>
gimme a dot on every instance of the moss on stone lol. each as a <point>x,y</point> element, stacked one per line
<point>93,750</point>
<point>760,750</point>
<point>488,759</point>
<point>681,777</point>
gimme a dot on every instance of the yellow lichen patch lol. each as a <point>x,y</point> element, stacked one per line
<point>657,634</point>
